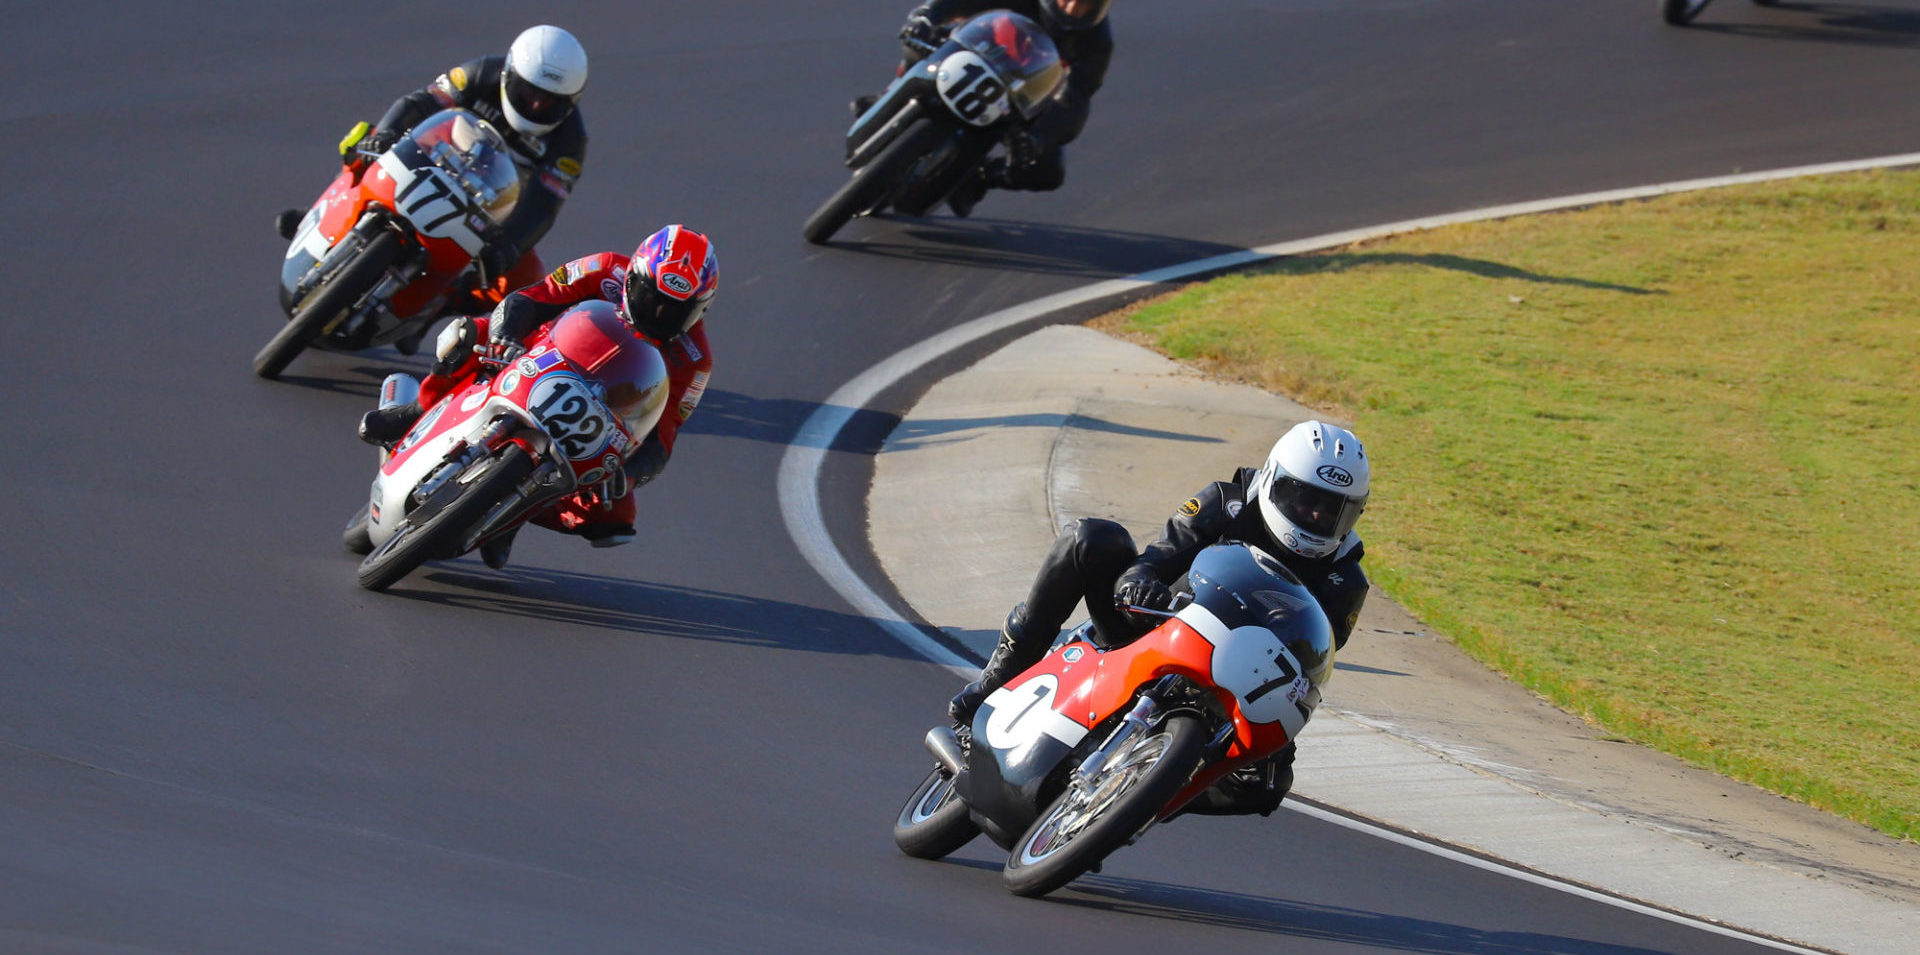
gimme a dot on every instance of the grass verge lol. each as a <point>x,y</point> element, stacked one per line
<point>1656,461</point>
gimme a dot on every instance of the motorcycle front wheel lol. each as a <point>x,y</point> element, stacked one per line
<point>437,533</point>
<point>1091,820</point>
<point>934,822</point>
<point>325,304</point>
<point>871,182</point>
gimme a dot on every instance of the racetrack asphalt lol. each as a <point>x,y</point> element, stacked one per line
<point>212,741</point>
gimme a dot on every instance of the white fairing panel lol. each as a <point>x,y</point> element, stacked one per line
<point>1252,664</point>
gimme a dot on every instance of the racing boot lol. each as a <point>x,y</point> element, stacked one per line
<point>971,189</point>
<point>608,535</point>
<point>384,427</point>
<point>859,106</point>
<point>288,222</point>
<point>496,548</point>
<point>1016,651</point>
<point>1256,788</point>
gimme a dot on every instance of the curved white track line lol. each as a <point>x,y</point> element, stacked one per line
<point>799,479</point>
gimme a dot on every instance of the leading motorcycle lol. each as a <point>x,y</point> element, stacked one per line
<point>512,438</point>
<point>1090,747</point>
<point>390,241</point>
<point>940,117</point>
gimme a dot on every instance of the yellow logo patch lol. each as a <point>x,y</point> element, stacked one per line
<point>568,165</point>
<point>1191,508</point>
<point>458,77</point>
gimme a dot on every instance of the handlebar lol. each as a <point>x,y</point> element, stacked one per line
<point>923,47</point>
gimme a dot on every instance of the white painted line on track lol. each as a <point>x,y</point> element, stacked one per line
<point>1524,875</point>
<point>799,478</point>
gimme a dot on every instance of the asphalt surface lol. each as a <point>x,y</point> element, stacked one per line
<point>212,741</point>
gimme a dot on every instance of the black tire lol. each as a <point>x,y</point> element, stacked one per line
<point>355,538</point>
<point>934,822</point>
<point>440,534</point>
<point>325,303</point>
<point>1681,12</point>
<point>1128,794</point>
<point>871,182</point>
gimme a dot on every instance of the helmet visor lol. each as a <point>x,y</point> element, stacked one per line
<point>541,106</point>
<point>657,315</point>
<point>1316,510</point>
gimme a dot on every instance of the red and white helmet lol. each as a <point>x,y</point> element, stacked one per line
<point>545,74</point>
<point>670,282</point>
<point>1313,488</point>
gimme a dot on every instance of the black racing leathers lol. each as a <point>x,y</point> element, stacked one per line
<point>1086,55</point>
<point>549,164</point>
<point>1223,511</point>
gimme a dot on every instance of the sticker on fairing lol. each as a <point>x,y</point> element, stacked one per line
<point>1023,715</point>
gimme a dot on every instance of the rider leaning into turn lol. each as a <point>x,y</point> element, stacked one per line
<point>529,96</point>
<point>662,291</point>
<point>1300,506</point>
<point>1036,158</point>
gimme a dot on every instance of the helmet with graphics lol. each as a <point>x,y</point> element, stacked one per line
<point>1313,488</point>
<point>545,73</point>
<point>670,282</point>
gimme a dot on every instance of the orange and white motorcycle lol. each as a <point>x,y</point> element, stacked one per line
<point>1088,748</point>
<point>389,242</point>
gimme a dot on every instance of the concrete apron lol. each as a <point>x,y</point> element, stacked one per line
<point>1068,423</point>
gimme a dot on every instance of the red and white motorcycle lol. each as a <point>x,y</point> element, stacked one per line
<point>385,247</point>
<point>514,437</point>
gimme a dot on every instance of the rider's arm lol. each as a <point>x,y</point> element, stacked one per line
<point>452,88</point>
<point>1197,524</point>
<point>548,185</point>
<point>1341,589</point>
<point>1066,116</point>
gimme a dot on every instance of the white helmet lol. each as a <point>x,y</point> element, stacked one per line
<point>1313,488</point>
<point>546,70</point>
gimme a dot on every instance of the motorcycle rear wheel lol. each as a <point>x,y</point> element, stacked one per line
<point>1681,12</point>
<point>934,821</point>
<point>1086,824</point>
<point>440,534</point>
<point>325,303</point>
<point>355,537</point>
<point>871,182</point>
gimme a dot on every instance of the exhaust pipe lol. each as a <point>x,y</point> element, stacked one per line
<point>945,747</point>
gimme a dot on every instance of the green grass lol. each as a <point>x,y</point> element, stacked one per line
<point>1656,461</point>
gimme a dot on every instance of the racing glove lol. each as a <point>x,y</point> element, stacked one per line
<point>920,28</point>
<point>352,150</point>
<point>1143,592</point>
<point>496,259</point>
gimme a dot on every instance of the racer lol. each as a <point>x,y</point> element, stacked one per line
<point>1300,506</point>
<point>1036,158</point>
<point>662,291</point>
<point>530,96</point>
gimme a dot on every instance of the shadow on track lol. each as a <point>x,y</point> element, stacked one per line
<point>778,420</point>
<point>1012,246</point>
<point>1344,261</point>
<point>1857,24</point>
<point>1301,920</point>
<point>632,606</point>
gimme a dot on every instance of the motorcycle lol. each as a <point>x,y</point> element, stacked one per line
<point>390,241</point>
<point>1088,748</point>
<point>940,118</point>
<point>515,436</point>
<point>1682,12</point>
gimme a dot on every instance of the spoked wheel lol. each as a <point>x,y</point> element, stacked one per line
<point>934,821</point>
<point>1089,821</point>
<point>1681,12</point>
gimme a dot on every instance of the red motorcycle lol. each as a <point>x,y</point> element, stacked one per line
<point>390,241</point>
<point>1088,748</point>
<point>514,437</point>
